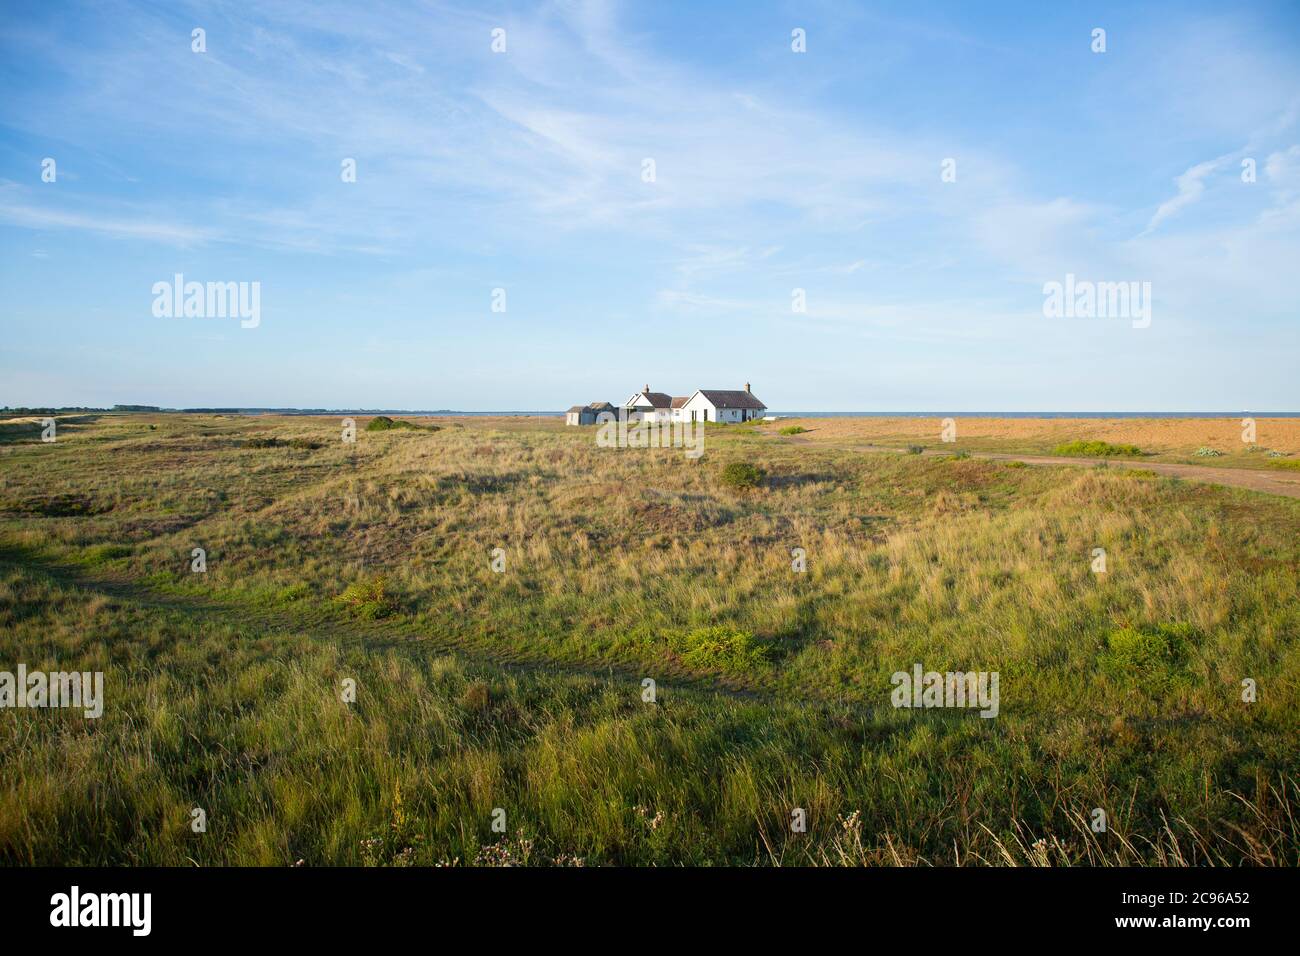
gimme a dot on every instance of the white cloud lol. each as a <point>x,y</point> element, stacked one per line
<point>1191,185</point>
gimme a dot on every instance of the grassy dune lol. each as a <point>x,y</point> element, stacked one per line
<point>522,690</point>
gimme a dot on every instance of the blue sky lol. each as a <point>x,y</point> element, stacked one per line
<point>774,170</point>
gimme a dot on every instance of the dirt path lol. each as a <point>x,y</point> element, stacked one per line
<point>375,636</point>
<point>1268,482</point>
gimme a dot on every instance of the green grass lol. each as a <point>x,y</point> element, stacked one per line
<point>793,430</point>
<point>1097,449</point>
<point>522,690</point>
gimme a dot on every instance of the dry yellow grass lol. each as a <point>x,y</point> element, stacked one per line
<point>1160,435</point>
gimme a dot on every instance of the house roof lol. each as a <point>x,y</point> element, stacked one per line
<point>601,406</point>
<point>577,408</point>
<point>679,402</point>
<point>732,399</point>
<point>657,399</point>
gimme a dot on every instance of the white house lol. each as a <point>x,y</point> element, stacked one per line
<point>706,405</point>
<point>646,405</point>
<point>720,405</point>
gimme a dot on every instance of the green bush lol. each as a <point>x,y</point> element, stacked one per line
<point>793,430</point>
<point>741,475</point>
<point>382,423</point>
<point>263,443</point>
<point>1097,449</point>
<point>1151,655</point>
<point>1207,452</point>
<point>369,598</point>
<point>305,443</point>
<point>1016,464</point>
<point>915,449</point>
<point>720,648</point>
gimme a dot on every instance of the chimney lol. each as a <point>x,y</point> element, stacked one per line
<point>747,386</point>
<point>647,388</point>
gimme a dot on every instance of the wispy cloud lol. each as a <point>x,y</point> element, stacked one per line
<point>1191,186</point>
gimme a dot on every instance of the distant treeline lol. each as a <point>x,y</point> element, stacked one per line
<point>312,411</point>
<point>25,410</point>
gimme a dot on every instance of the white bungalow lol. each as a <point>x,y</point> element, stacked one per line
<point>719,405</point>
<point>646,405</point>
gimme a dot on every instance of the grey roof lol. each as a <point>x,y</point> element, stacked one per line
<point>658,399</point>
<point>732,399</point>
<point>602,407</point>
<point>578,408</point>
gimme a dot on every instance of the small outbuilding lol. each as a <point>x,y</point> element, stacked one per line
<point>586,414</point>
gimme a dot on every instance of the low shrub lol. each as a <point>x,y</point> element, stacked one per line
<point>742,476</point>
<point>1016,464</point>
<point>263,443</point>
<point>1097,449</point>
<point>719,647</point>
<point>915,449</point>
<point>1150,655</point>
<point>1206,452</point>
<point>369,598</point>
<point>382,423</point>
<point>793,430</point>
<point>304,443</point>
